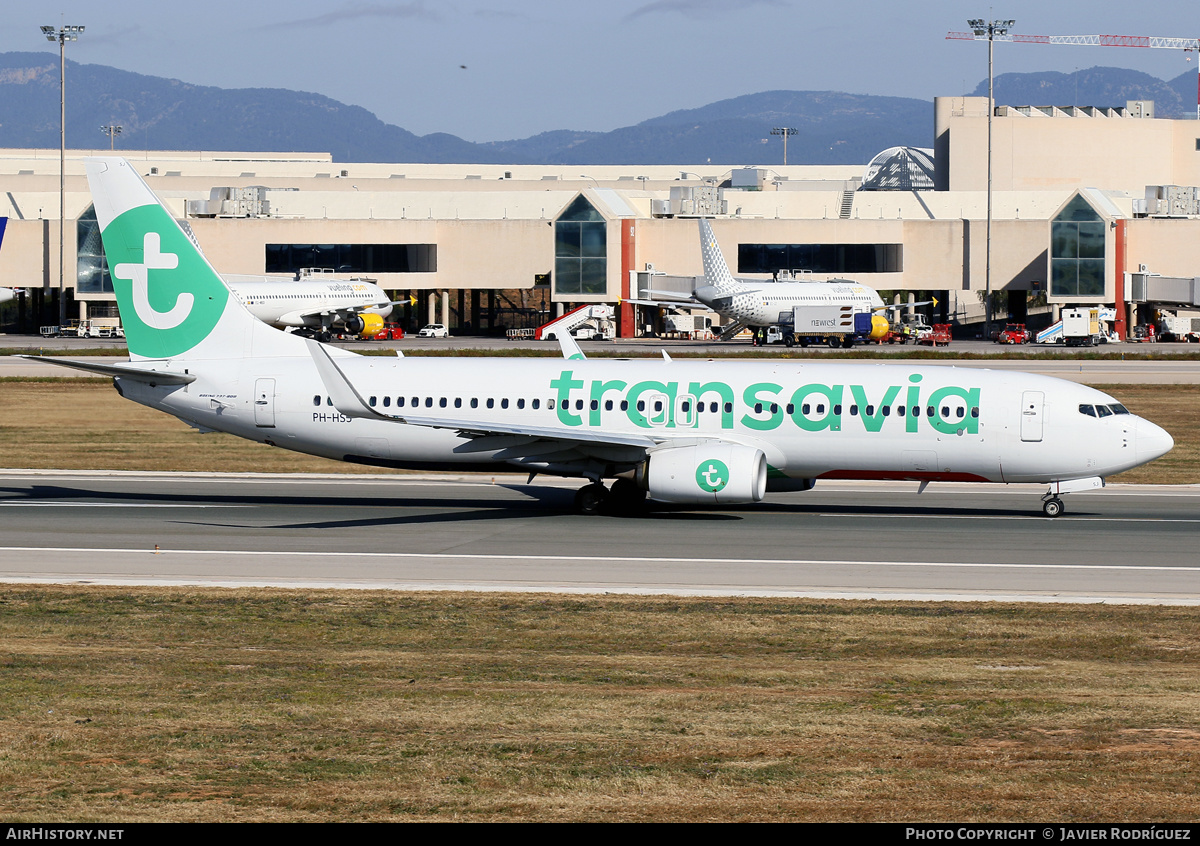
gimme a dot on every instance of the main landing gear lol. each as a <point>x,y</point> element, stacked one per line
<point>624,498</point>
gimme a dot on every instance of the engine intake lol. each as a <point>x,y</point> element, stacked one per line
<point>365,325</point>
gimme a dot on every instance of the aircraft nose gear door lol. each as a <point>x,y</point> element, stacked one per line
<point>1031,415</point>
<point>264,403</point>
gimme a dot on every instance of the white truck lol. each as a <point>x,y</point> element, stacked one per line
<point>1180,326</point>
<point>835,325</point>
<point>1081,327</point>
<point>694,327</point>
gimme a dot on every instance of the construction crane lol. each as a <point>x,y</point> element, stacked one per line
<point>1187,44</point>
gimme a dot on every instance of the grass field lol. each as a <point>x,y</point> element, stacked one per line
<point>76,424</point>
<point>178,704</point>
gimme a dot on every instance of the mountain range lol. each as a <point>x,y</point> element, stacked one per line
<point>834,127</point>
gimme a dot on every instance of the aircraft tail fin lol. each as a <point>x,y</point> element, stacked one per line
<point>716,269</point>
<point>173,304</point>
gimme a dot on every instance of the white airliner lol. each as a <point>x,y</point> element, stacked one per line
<point>701,432</point>
<point>313,307</point>
<point>758,304</point>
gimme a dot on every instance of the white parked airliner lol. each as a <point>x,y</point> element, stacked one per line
<point>759,303</point>
<point>313,306</point>
<point>704,432</point>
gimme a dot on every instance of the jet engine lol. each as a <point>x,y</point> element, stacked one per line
<point>713,472</point>
<point>879,327</point>
<point>365,325</point>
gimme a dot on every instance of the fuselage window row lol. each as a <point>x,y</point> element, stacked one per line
<point>946,411</point>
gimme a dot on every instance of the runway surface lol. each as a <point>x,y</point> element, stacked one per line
<point>1128,544</point>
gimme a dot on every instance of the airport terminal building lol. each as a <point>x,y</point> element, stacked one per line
<point>1090,206</point>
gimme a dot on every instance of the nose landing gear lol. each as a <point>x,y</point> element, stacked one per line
<point>1052,506</point>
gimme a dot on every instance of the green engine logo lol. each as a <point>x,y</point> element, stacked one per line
<point>712,475</point>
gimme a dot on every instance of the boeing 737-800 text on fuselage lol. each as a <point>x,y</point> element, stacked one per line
<point>700,432</point>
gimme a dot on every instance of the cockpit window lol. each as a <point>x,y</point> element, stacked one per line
<point>1089,410</point>
<point>1117,408</point>
<point>1104,411</point>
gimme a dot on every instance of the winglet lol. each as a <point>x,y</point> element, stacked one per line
<point>570,349</point>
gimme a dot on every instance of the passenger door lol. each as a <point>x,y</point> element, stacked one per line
<point>1032,408</point>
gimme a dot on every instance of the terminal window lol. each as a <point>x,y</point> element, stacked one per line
<point>352,258</point>
<point>821,258</point>
<point>580,250</point>
<point>91,265</point>
<point>1077,251</point>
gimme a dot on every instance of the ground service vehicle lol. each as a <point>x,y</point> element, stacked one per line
<point>1081,327</point>
<point>938,336</point>
<point>390,332</point>
<point>1180,327</point>
<point>1013,333</point>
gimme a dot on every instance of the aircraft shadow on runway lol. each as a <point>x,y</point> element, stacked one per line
<point>529,501</point>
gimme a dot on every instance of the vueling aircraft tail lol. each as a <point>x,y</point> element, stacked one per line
<point>173,304</point>
<point>716,269</point>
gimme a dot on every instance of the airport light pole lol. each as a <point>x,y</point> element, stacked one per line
<point>62,35</point>
<point>112,132</point>
<point>785,131</point>
<point>991,29</point>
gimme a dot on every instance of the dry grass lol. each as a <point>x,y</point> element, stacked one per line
<point>1174,407</point>
<point>77,424</point>
<point>83,424</point>
<point>178,704</point>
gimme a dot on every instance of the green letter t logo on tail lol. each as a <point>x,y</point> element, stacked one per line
<point>170,299</point>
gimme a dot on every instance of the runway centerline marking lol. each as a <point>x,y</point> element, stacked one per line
<point>613,559</point>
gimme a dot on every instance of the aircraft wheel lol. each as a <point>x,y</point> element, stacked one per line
<point>625,497</point>
<point>591,498</point>
<point>1052,507</point>
<point>324,337</point>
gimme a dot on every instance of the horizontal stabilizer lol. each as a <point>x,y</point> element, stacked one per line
<point>125,371</point>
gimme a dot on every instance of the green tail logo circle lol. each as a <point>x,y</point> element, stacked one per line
<point>170,299</point>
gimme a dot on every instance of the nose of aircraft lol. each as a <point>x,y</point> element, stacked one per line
<point>1151,441</point>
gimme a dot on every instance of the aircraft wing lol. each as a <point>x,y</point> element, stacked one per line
<point>301,317</point>
<point>672,304</point>
<point>905,305</point>
<point>349,402</point>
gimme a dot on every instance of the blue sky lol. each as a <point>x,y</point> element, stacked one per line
<point>535,65</point>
